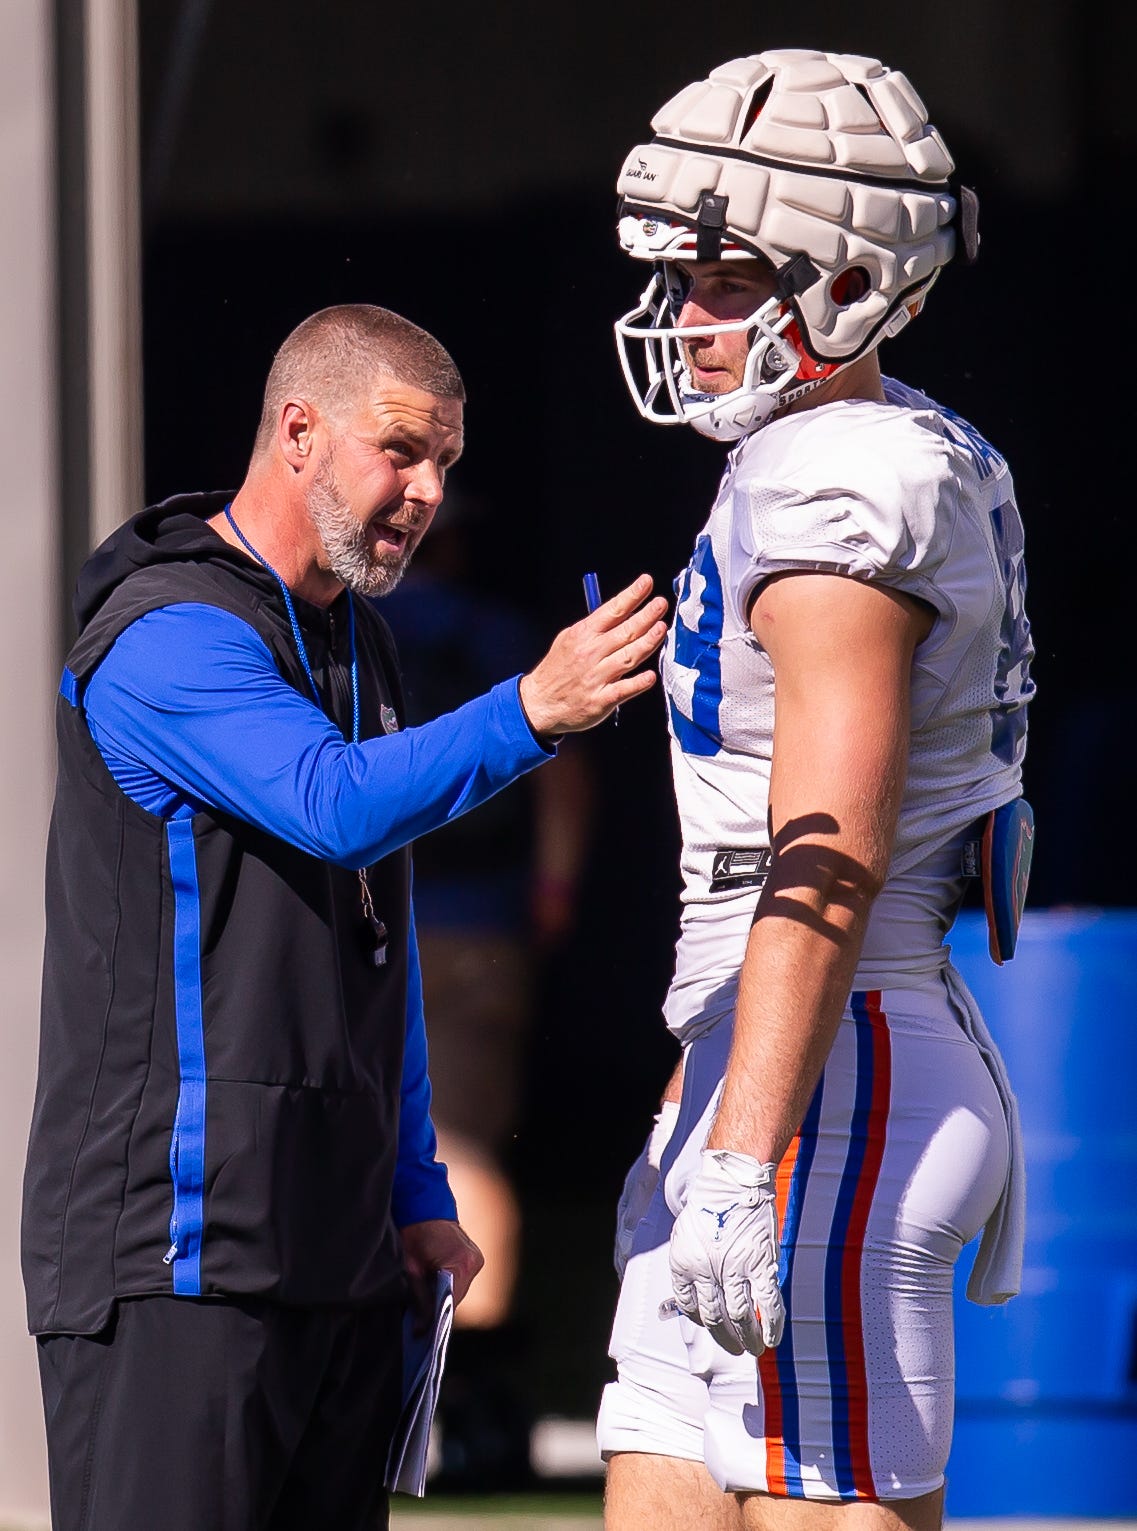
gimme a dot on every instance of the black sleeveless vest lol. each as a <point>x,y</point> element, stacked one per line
<point>220,1057</point>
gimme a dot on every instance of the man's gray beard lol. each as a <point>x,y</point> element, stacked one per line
<point>363,570</point>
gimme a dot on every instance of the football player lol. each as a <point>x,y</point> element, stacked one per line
<point>847,680</point>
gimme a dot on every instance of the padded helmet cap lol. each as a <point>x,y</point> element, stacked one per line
<point>793,153</point>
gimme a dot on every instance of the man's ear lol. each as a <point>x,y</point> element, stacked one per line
<point>294,433</point>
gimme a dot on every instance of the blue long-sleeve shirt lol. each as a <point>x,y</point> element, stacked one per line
<point>188,708</point>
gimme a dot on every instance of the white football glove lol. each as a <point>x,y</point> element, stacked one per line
<point>724,1253</point>
<point>640,1183</point>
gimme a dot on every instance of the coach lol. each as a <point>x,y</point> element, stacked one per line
<point>231,1172</point>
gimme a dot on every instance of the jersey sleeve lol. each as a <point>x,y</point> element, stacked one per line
<point>421,1190</point>
<point>869,503</point>
<point>189,699</point>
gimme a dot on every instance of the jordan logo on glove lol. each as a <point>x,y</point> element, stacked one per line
<point>720,1218</point>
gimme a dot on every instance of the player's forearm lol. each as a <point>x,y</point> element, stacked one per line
<point>793,987</point>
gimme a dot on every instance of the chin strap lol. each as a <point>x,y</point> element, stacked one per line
<point>791,395</point>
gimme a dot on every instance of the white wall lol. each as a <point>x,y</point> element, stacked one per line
<point>30,518</point>
<point>27,680</point>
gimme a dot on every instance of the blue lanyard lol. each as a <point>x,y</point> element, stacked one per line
<point>298,635</point>
<point>376,930</point>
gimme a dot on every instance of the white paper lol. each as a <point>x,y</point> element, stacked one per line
<point>424,1357</point>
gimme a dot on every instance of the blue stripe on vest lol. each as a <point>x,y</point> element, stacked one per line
<point>69,688</point>
<point>187,1147</point>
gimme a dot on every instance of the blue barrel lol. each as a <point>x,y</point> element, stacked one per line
<point>1046,1387</point>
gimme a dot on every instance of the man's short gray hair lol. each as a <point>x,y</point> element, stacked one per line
<point>332,358</point>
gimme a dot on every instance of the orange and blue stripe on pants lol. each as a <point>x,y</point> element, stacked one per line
<point>844,1344</point>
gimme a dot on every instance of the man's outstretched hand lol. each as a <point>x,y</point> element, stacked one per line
<point>593,666</point>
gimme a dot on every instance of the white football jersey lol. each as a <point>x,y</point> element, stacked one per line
<point>905,493</point>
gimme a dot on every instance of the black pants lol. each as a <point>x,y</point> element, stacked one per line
<point>200,1415</point>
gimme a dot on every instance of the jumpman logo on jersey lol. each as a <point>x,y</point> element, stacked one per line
<point>720,1218</point>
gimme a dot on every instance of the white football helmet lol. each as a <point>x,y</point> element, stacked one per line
<point>823,164</point>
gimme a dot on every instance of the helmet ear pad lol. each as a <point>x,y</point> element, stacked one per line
<point>842,290</point>
<point>849,285</point>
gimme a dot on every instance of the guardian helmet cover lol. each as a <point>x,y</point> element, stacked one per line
<point>826,166</point>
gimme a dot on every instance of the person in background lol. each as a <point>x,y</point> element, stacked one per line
<point>495,897</point>
<point>232,1184</point>
<point>847,678</point>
